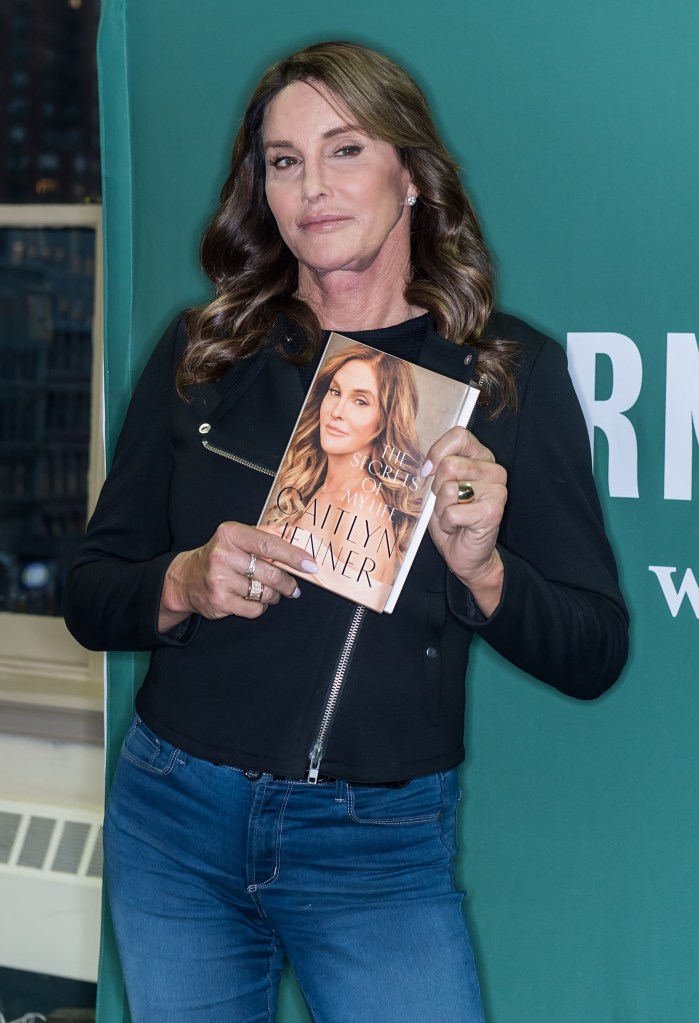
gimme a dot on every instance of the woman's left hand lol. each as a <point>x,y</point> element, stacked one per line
<point>465,532</point>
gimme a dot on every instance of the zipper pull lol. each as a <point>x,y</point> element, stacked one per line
<point>314,765</point>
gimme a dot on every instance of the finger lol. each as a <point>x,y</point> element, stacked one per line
<point>224,595</point>
<point>275,581</point>
<point>458,467</point>
<point>448,494</point>
<point>456,441</point>
<point>250,609</point>
<point>483,514</point>
<point>267,546</point>
<point>477,519</point>
<point>255,592</point>
<point>228,569</point>
<point>274,578</point>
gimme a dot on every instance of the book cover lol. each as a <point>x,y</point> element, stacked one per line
<point>349,489</point>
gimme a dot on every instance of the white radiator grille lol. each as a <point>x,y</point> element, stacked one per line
<point>50,888</point>
<point>47,840</point>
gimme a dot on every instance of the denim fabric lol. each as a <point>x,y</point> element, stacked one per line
<point>213,879</point>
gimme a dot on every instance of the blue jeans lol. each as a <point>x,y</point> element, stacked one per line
<point>214,878</point>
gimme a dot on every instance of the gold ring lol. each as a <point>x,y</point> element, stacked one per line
<point>254,590</point>
<point>250,571</point>
<point>466,493</point>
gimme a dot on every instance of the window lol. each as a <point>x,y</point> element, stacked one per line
<point>48,162</point>
<point>48,86</point>
<point>51,456</point>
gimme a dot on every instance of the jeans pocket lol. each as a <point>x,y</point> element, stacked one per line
<point>144,749</point>
<point>420,800</point>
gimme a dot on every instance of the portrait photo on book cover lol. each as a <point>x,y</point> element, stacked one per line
<point>349,488</point>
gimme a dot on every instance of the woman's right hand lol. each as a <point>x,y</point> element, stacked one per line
<point>211,580</point>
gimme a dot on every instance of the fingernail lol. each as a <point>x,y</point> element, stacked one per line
<point>427,468</point>
<point>309,566</point>
<point>296,593</point>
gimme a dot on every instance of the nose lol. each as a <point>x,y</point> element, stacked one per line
<point>314,183</point>
<point>338,407</point>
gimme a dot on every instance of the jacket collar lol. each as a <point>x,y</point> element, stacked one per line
<point>209,401</point>
<point>455,361</point>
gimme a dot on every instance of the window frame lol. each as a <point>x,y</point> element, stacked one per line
<point>50,686</point>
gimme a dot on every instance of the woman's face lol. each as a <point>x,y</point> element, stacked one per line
<point>336,193</point>
<point>350,413</point>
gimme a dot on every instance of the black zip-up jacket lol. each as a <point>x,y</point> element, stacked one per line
<point>252,693</point>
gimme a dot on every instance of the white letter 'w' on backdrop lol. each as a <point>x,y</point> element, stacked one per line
<point>674,597</point>
<point>608,414</point>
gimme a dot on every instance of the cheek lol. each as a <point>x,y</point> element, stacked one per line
<point>393,189</point>
<point>369,425</point>
<point>278,206</point>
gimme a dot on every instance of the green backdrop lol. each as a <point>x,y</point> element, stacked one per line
<point>576,126</point>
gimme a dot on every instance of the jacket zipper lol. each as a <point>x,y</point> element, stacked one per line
<point>237,458</point>
<point>337,684</point>
<point>338,681</point>
<point>334,693</point>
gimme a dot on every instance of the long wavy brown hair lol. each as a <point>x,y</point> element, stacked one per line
<point>255,275</point>
<point>305,463</point>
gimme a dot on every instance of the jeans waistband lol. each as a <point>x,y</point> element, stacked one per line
<point>326,779</point>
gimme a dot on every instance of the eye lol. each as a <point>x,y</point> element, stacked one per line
<point>334,391</point>
<point>282,162</point>
<point>349,150</point>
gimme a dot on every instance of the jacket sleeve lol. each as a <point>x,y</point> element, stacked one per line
<point>113,591</point>
<point>561,617</point>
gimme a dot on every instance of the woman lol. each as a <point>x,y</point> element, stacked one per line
<point>288,785</point>
<point>338,468</point>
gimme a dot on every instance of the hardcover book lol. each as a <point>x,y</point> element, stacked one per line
<point>349,489</point>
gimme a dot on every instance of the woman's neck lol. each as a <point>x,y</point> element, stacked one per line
<point>350,300</point>
<point>336,475</point>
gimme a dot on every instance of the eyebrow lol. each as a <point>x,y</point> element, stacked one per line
<point>285,143</point>
<point>355,390</point>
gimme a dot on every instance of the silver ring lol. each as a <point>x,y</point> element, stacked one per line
<point>254,590</point>
<point>466,493</point>
<point>250,571</point>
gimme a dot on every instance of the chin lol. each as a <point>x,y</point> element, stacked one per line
<point>331,447</point>
<point>324,262</point>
